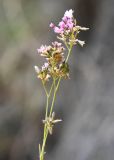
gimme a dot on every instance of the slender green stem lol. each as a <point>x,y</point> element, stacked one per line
<point>54,81</point>
<point>41,150</point>
<point>54,96</point>
<point>66,44</point>
<point>45,89</point>
<point>51,89</point>
<point>44,143</point>
<point>48,97</point>
<point>56,88</point>
<point>69,52</point>
<point>47,104</point>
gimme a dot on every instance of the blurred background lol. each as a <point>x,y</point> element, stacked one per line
<point>85,102</point>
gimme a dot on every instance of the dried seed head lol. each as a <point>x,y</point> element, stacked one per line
<point>80,42</point>
<point>50,121</point>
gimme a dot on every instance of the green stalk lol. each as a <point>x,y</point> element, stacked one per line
<point>55,88</point>
<point>69,52</point>
<point>54,96</point>
<point>42,150</point>
<point>42,153</point>
<point>48,96</point>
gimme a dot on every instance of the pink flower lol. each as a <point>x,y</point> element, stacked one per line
<point>42,49</point>
<point>70,24</point>
<point>62,24</point>
<point>65,19</point>
<point>56,44</point>
<point>66,25</point>
<point>69,14</point>
<point>52,25</point>
<point>58,30</point>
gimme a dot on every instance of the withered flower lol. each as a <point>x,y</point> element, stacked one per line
<point>43,74</point>
<point>50,121</point>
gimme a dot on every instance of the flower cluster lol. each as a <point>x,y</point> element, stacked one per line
<point>68,29</point>
<point>55,65</point>
<point>66,25</point>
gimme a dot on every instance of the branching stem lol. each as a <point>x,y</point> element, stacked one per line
<point>54,87</point>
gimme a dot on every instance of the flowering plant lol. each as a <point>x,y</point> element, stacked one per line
<point>56,68</point>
